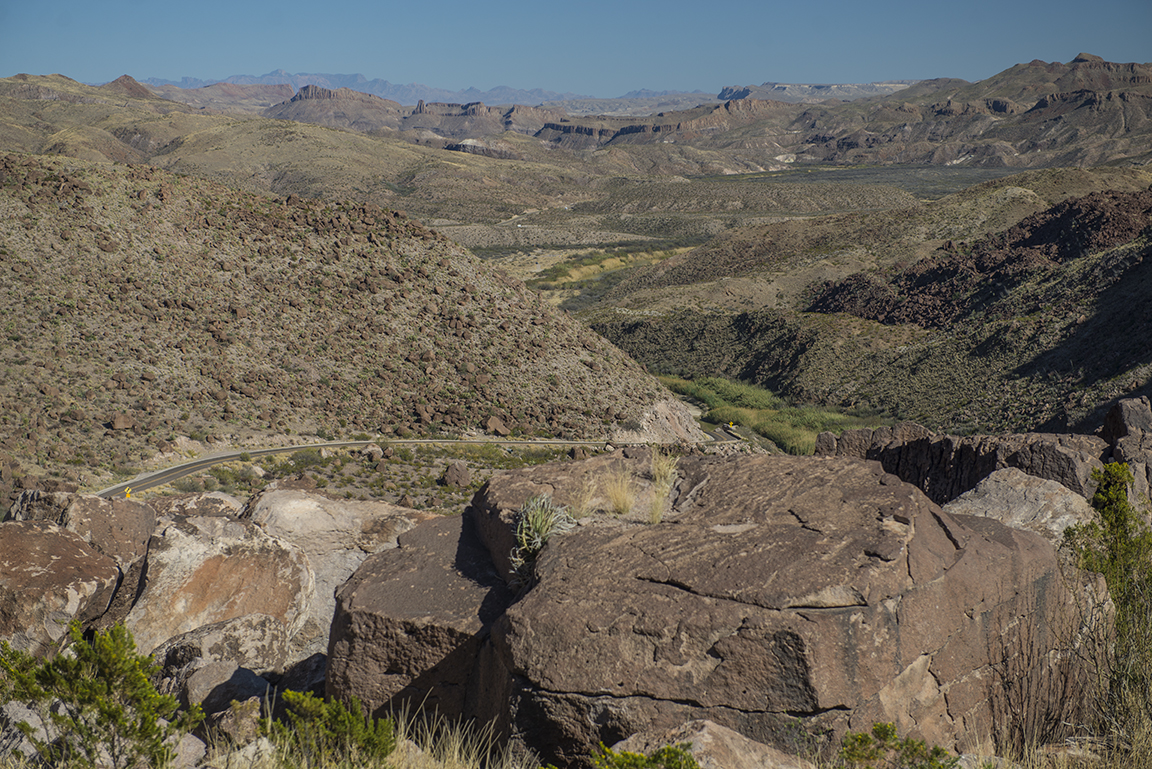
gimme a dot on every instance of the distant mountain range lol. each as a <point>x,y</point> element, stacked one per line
<point>405,94</point>
<point>413,93</point>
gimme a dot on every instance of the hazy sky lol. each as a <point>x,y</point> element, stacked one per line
<point>595,47</point>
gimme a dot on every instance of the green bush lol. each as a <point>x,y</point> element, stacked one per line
<point>668,757</point>
<point>1118,546</point>
<point>883,750</point>
<point>97,702</point>
<point>792,428</point>
<point>324,732</point>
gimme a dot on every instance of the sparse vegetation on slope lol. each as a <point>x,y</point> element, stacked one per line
<point>143,306</point>
<point>1033,342</point>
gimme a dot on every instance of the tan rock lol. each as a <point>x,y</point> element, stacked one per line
<point>335,536</point>
<point>203,570</point>
<point>714,747</point>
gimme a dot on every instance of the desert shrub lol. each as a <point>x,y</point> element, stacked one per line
<point>323,732</point>
<point>1118,547</point>
<point>537,520</point>
<point>97,702</point>
<point>882,749</point>
<point>668,757</point>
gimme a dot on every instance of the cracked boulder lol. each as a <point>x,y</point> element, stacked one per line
<point>207,569</point>
<point>777,588</point>
<point>411,626</point>
<point>336,536</point>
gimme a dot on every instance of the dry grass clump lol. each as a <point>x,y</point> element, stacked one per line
<point>584,502</point>
<point>619,491</point>
<point>663,479</point>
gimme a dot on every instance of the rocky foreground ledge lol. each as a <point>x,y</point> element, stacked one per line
<point>770,602</point>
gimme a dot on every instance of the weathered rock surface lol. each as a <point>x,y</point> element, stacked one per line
<point>216,684</point>
<point>208,569</point>
<point>256,641</point>
<point>336,536</point>
<point>714,747</point>
<point>48,577</point>
<point>780,587</point>
<point>411,622</point>
<point>575,485</point>
<point>119,528</point>
<point>1022,501</point>
<point>946,466</point>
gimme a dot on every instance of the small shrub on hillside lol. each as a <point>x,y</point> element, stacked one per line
<point>882,749</point>
<point>668,757</point>
<point>324,732</point>
<point>98,702</point>
<point>1118,546</point>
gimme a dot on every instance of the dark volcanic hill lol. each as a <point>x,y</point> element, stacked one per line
<point>141,306</point>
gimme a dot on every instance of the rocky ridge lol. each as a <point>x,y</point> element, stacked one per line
<point>994,309</point>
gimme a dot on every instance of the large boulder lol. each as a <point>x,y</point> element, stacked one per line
<point>336,536</point>
<point>119,528</point>
<point>777,587</point>
<point>1023,501</point>
<point>207,569</point>
<point>412,623</point>
<point>48,577</point>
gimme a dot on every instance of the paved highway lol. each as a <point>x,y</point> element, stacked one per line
<point>167,475</point>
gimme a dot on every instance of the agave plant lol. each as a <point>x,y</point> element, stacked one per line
<point>536,521</point>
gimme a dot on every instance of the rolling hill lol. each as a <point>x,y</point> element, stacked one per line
<point>142,306</point>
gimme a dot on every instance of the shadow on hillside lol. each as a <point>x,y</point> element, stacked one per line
<point>1114,339</point>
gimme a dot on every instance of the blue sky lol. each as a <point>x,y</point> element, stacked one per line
<point>596,47</point>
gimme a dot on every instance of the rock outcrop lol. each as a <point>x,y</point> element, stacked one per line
<point>946,466</point>
<point>203,570</point>
<point>1022,501</point>
<point>412,623</point>
<point>335,536</point>
<point>48,577</point>
<point>775,588</point>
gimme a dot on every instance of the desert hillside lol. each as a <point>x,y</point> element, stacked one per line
<point>1010,306</point>
<point>142,306</point>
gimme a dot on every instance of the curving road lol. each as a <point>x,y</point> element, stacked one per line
<point>167,475</point>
